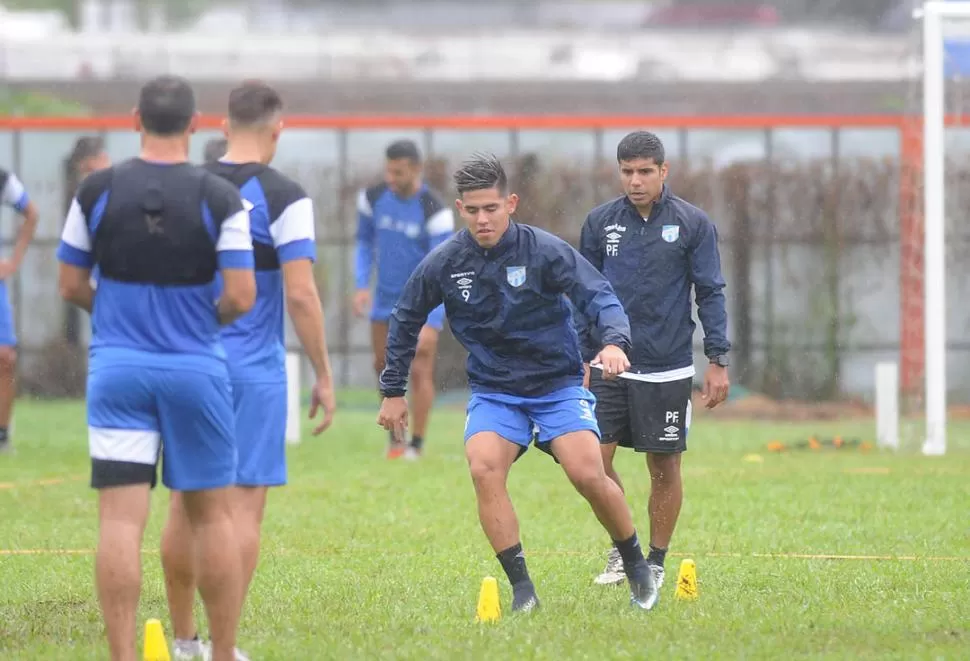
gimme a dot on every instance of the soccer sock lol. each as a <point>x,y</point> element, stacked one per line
<point>3,434</point>
<point>656,556</point>
<point>513,562</point>
<point>630,551</point>
<point>417,442</point>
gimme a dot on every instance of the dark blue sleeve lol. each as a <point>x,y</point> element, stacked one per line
<point>571,274</point>
<point>704,262</point>
<point>587,340</point>
<point>421,295</point>
<point>589,244</point>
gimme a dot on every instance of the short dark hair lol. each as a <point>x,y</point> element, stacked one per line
<point>641,144</point>
<point>215,149</point>
<point>479,172</point>
<point>253,102</point>
<point>403,149</point>
<point>166,105</point>
<point>87,146</point>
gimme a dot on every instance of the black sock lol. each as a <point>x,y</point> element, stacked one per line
<point>3,434</point>
<point>630,551</point>
<point>513,562</point>
<point>656,556</point>
<point>417,442</point>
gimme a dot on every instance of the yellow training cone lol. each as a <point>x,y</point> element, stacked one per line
<point>687,580</point>
<point>156,649</point>
<point>489,608</point>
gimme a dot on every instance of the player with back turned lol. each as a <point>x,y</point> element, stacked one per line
<point>655,248</point>
<point>282,224</point>
<point>160,230</point>
<point>502,285</point>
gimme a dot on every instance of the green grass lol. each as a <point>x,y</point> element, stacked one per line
<point>369,559</point>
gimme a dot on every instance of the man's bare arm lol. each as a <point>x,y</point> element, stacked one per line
<point>25,234</point>
<point>303,303</point>
<point>74,284</point>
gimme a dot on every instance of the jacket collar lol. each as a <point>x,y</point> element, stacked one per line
<point>506,243</point>
<point>658,204</point>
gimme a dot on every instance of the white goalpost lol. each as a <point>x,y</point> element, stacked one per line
<point>934,14</point>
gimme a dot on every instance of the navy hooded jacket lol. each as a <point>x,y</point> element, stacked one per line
<point>652,265</point>
<point>506,306</point>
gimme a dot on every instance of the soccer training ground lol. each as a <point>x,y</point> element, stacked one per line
<point>808,554</point>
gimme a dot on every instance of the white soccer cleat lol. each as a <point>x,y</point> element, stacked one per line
<point>658,575</point>
<point>613,574</point>
<point>412,454</point>
<point>189,649</point>
<point>239,655</point>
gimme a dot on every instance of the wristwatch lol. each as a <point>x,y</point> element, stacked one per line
<point>721,361</point>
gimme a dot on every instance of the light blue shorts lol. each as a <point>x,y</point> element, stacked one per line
<point>260,433</point>
<point>524,420</point>
<point>138,414</point>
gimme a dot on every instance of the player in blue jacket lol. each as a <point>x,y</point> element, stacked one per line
<point>13,195</point>
<point>503,285</point>
<point>656,249</point>
<point>399,222</point>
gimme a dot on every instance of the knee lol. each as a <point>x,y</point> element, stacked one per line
<point>590,480</point>
<point>8,359</point>
<point>422,369</point>
<point>485,470</point>
<point>664,468</point>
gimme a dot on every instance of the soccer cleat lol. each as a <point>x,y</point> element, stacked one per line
<point>189,649</point>
<point>412,453</point>
<point>643,589</point>
<point>239,656</point>
<point>524,598</point>
<point>658,575</point>
<point>613,574</point>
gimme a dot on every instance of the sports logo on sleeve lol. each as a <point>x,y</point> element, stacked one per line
<point>515,275</point>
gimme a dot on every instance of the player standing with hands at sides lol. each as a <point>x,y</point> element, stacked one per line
<point>399,222</point>
<point>654,248</point>
<point>160,229</point>
<point>502,285</point>
<point>13,195</point>
<point>282,225</point>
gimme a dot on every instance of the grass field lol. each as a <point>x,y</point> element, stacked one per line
<point>369,559</point>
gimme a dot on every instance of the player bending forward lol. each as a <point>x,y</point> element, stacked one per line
<point>502,285</point>
<point>281,220</point>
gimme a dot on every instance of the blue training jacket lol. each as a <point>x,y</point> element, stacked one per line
<point>397,233</point>
<point>506,306</point>
<point>652,265</point>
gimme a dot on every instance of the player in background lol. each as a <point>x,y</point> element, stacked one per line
<point>655,248</point>
<point>214,149</point>
<point>161,229</point>
<point>503,284</point>
<point>398,223</point>
<point>282,225</point>
<point>13,195</point>
<point>88,155</point>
